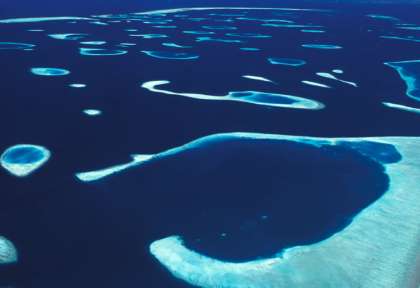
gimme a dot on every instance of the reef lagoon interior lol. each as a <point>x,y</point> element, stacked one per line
<point>210,144</point>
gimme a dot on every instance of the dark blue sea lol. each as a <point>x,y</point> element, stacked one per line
<point>229,198</point>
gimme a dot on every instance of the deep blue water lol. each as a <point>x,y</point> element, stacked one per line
<point>233,200</point>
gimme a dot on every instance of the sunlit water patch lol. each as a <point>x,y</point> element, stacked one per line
<point>24,159</point>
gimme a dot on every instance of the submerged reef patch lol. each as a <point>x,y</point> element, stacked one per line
<point>41,19</point>
<point>24,159</point>
<point>258,78</point>
<point>333,77</point>
<point>195,32</point>
<point>219,27</point>
<point>249,49</point>
<point>172,55</point>
<point>174,45</point>
<point>403,38</point>
<point>92,112</point>
<point>248,35</point>
<point>212,39</point>
<point>8,252</point>
<point>286,61</point>
<point>402,107</point>
<point>316,84</point>
<point>45,71</point>
<point>68,36</point>
<point>338,261</point>
<point>252,97</point>
<point>77,85</point>
<point>322,46</point>
<point>15,46</point>
<point>101,52</point>
<point>93,42</point>
<point>409,72</point>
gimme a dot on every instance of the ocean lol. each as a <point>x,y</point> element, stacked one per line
<point>247,133</point>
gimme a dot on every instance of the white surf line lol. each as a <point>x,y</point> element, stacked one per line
<point>316,84</point>
<point>330,76</point>
<point>187,9</point>
<point>99,174</point>
<point>257,78</point>
<point>402,107</point>
<point>41,19</point>
<point>267,99</point>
